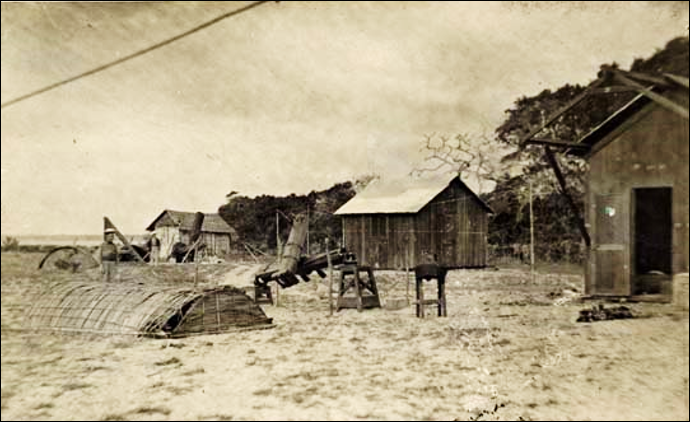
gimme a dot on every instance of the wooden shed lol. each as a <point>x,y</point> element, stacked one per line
<point>637,191</point>
<point>176,226</point>
<point>398,224</point>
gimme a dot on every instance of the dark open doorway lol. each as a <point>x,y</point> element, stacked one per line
<point>653,231</point>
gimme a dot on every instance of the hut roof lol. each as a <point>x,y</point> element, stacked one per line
<point>601,131</point>
<point>629,109</point>
<point>133,308</point>
<point>213,223</point>
<point>401,197</point>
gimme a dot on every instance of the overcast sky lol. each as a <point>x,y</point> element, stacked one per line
<point>287,97</point>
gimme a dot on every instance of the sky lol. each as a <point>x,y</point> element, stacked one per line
<point>288,97</point>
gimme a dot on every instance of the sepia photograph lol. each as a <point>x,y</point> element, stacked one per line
<point>345,210</point>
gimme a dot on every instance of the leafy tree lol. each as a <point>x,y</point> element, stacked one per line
<point>255,218</point>
<point>10,243</point>
<point>509,199</point>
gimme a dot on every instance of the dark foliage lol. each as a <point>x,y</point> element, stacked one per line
<point>554,219</point>
<point>255,218</point>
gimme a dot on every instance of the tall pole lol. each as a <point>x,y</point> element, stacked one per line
<point>308,245</point>
<point>279,253</point>
<point>531,230</point>
<point>407,270</point>
<point>196,265</point>
<point>330,280</point>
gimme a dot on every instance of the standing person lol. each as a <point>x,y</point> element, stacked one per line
<point>155,248</point>
<point>109,256</point>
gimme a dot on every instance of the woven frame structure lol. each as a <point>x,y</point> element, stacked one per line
<point>136,309</point>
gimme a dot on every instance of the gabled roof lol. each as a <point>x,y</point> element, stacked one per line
<point>213,223</point>
<point>407,196</point>
<point>622,114</point>
<point>613,121</point>
<point>623,81</point>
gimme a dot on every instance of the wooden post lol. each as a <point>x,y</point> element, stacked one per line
<point>407,270</point>
<point>196,265</point>
<point>123,239</point>
<point>279,254</point>
<point>279,251</point>
<point>330,280</point>
<point>358,289</point>
<point>564,190</point>
<point>440,294</point>
<point>189,251</point>
<point>420,297</point>
<point>531,231</point>
<point>308,244</point>
<point>250,252</point>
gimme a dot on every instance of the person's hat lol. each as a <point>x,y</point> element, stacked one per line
<point>109,231</point>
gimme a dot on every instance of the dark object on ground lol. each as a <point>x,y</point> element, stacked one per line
<point>426,272</point>
<point>68,258</point>
<point>601,313</point>
<point>181,250</point>
<point>366,294</point>
<point>291,263</point>
<point>127,254</point>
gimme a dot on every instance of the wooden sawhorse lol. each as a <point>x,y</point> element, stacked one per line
<point>262,293</point>
<point>429,272</point>
<point>350,279</point>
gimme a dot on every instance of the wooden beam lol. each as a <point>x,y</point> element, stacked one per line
<point>189,251</point>
<point>659,99</point>
<point>643,77</point>
<point>680,80</point>
<point>557,143</point>
<point>123,239</point>
<point>612,90</point>
<point>330,280</point>
<point>564,190</point>
<point>577,100</point>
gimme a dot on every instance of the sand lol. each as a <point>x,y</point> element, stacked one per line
<point>510,349</point>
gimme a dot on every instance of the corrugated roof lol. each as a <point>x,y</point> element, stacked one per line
<point>407,196</point>
<point>213,223</point>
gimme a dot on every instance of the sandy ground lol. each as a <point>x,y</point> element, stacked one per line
<point>510,349</point>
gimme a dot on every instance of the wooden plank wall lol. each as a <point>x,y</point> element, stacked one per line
<point>167,235</point>
<point>650,149</point>
<point>218,244</point>
<point>453,227</point>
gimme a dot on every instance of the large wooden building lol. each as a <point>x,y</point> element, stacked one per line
<point>637,191</point>
<point>176,226</point>
<point>395,225</point>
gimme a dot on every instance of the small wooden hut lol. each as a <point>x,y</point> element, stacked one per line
<point>399,224</point>
<point>636,220</point>
<point>176,226</point>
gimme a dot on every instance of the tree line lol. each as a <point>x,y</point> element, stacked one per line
<point>255,218</point>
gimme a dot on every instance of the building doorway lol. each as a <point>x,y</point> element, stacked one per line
<point>653,240</point>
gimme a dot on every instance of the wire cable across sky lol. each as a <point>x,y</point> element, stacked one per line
<point>133,55</point>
